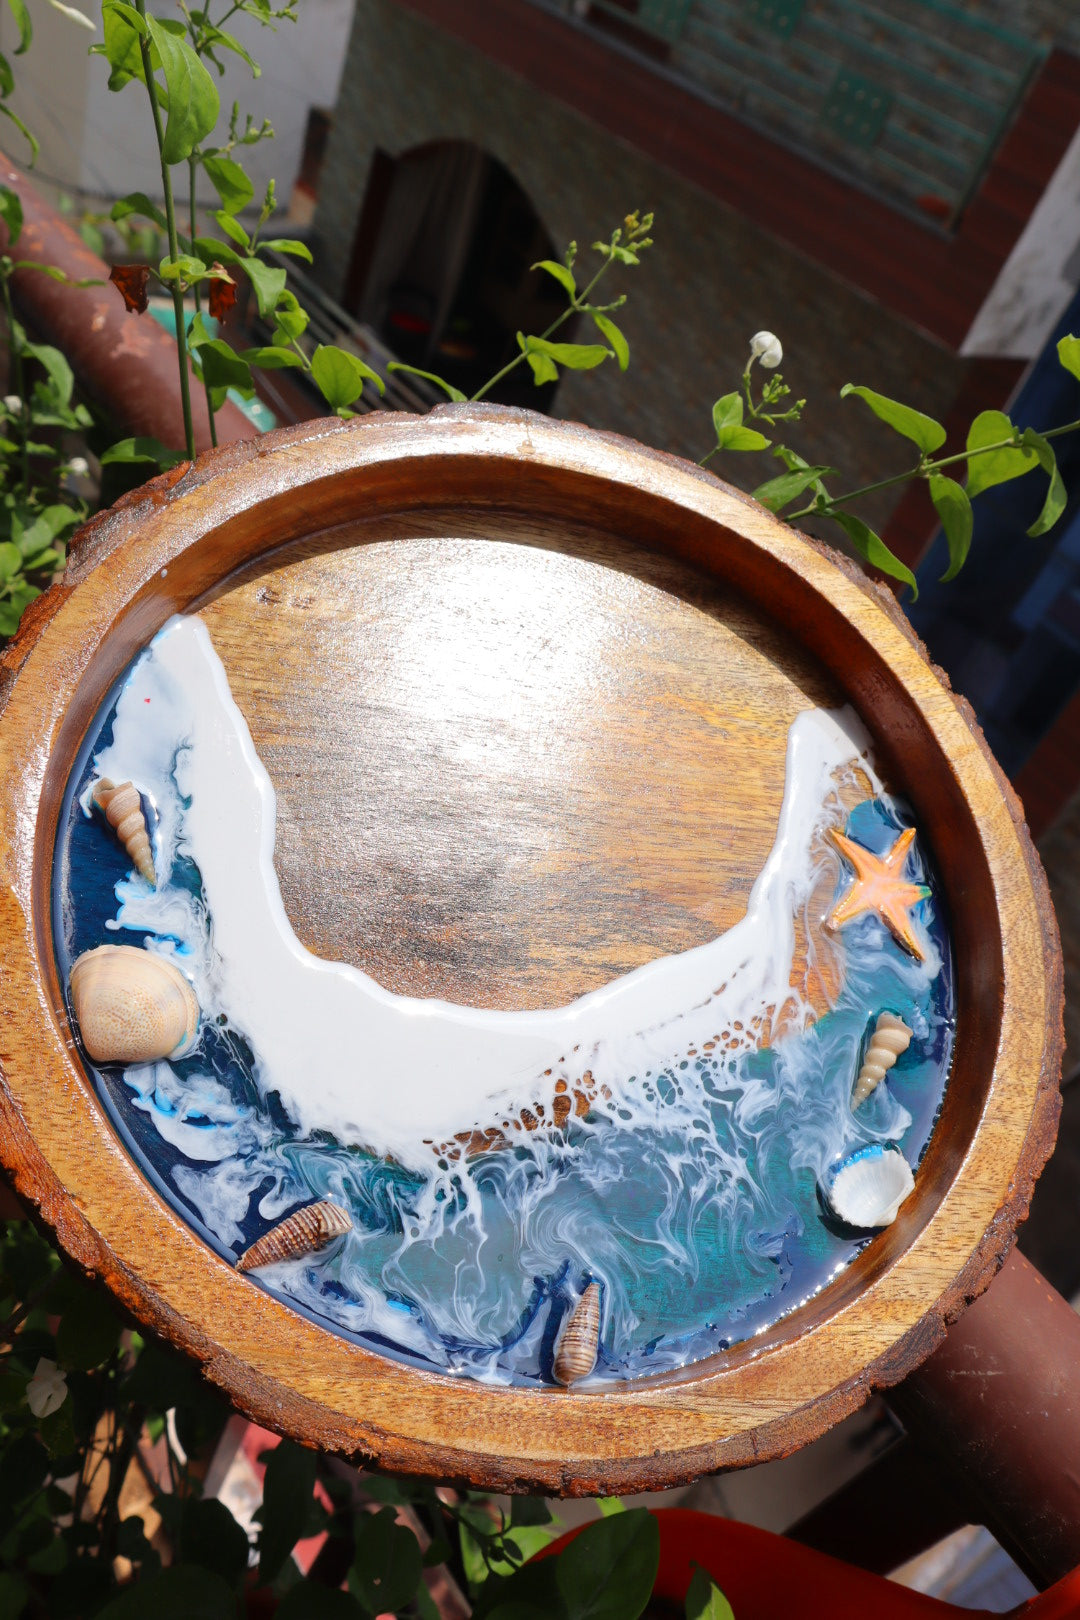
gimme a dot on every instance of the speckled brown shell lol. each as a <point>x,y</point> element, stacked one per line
<point>132,1006</point>
<point>302,1232</point>
<point>576,1351</point>
<point>891,1037</point>
<point>123,810</point>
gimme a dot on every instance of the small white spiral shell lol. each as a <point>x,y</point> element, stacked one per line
<point>891,1037</point>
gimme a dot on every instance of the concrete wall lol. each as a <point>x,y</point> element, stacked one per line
<point>712,280</point>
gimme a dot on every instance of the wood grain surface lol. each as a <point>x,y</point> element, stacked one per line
<point>523,691</point>
<point>519,771</point>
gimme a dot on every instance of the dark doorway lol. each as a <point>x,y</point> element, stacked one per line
<point>441,271</point>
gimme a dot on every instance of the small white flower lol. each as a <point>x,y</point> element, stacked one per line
<point>47,1390</point>
<point>12,403</point>
<point>765,347</point>
<point>78,466</point>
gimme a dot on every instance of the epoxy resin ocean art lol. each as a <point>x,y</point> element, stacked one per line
<point>608,1189</point>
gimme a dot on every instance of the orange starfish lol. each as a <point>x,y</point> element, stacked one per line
<point>880,886</point>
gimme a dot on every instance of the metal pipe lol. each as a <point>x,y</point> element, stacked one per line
<point>124,362</point>
<point>998,1408</point>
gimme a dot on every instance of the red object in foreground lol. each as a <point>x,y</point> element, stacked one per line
<point>764,1577</point>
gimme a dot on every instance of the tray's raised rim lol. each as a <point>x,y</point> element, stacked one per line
<point>153,554</point>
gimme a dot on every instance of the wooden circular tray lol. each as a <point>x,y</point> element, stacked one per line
<point>619,632</point>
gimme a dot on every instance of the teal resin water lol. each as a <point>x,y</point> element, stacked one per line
<point>691,1194</point>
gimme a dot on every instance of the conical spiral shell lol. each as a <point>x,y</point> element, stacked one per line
<point>579,1341</point>
<point>132,1006</point>
<point>891,1037</point>
<point>302,1232</point>
<point>122,808</point>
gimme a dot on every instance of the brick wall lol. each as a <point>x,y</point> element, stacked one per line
<point>713,278</point>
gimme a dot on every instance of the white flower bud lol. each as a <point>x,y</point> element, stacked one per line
<point>78,466</point>
<point>12,403</point>
<point>765,347</point>
<point>47,1390</point>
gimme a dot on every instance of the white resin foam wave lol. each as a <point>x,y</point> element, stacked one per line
<point>389,1072</point>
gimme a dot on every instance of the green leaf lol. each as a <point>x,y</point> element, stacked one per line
<point>14,1592</point>
<point>291,320</point>
<point>529,1510</point>
<point>704,1599</point>
<point>1056,497</point>
<point>873,548</point>
<point>193,98</point>
<point>608,1571</point>
<point>185,268</point>
<point>994,466</point>
<point>742,438</point>
<point>230,182</point>
<point>12,215</point>
<point>523,1610</point>
<point>210,1537</point>
<point>10,614</point>
<point>922,430</point>
<point>776,493</point>
<point>727,412</point>
<point>287,1506</point>
<point>543,368</point>
<point>562,275</point>
<point>1069,354</point>
<point>954,510</point>
<point>610,1505</point>
<point>388,1567</point>
<point>272,358</point>
<point>222,367</point>
<point>89,1331</point>
<point>211,251</point>
<point>137,202</point>
<point>31,140</point>
<point>176,1593</point>
<point>123,29</point>
<point>268,282</point>
<point>229,42</point>
<point>530,1591</point>
<point>7,76</point>
<point>43,559</point>
<point>141,449</point>
<point>10,561</point>
<point>430,376</point>
<point>575,356</point>
<point>232,227</point>
<point>132,16</point>
<point>21,15</point>
<point>54,271</point>
<point>289,244</point>
<point>341,375</point>
<point>615,338</point>
<point>310,1600</point>
<point>59,372</point>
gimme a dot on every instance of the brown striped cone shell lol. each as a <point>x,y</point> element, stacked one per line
<point>302,1232</point>
<point>132,1006</point>
<point>579,1341</point>
<point>891,1037</point>
<point>122,809</point>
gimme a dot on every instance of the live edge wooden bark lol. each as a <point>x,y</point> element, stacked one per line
<point>523,690</point>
